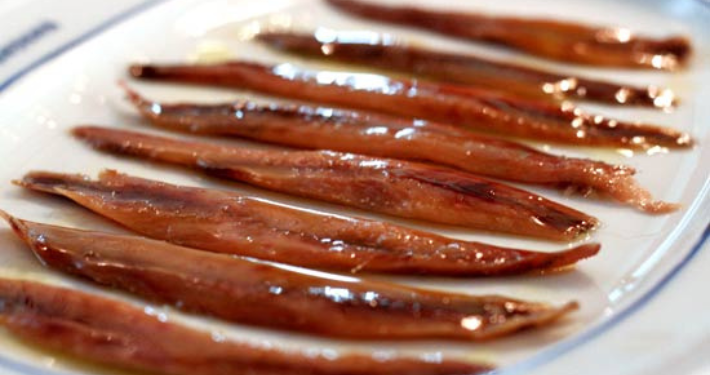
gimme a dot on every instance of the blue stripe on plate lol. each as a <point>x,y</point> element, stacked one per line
<point>115,20</point>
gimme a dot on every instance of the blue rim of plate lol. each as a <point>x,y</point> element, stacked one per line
<point>539,359</point>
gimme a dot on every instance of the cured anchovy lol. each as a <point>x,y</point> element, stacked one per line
<point>369,134</point>
<point>564,41</point>
<point>121,335</point>
<point>471,108</point>
<point>374,50</point>
<point>252,292</point>
<point>389,186</point>
<point>230,223</point>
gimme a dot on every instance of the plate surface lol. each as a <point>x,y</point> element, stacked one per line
<point>643,304</point>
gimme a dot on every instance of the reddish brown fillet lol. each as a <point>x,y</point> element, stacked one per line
<point>474,109</point>
<point>230,223</point>
<point>256,293</point>
<point>374,50</point>
<point>121,335</point>
<point>377,135</point>
<point>389,186</point>
<point>558,40</point>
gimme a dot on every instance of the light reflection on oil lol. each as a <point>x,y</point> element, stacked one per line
<point>471,323</point>
<point>614,35</point>
<point>325,36</point>
<point>334,294</point>
<point>357,81</point>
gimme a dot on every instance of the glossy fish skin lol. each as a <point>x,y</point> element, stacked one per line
<point>471,108</point>
<point>256,293</point>
<point>369,134</point>
<point>374,50</point>
<point>117,334</point>
<point>394,187</point>
<point>564,41</point>
<point>230,223</point>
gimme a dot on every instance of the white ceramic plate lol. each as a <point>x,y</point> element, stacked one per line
<point>644,303</point>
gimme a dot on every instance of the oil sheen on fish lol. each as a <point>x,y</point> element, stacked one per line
<point>558,40</point>
<point>230,223</point>
<point>252,292</point>
<point>121,335</point>
<point>389,186</point>
<point>418,140</point>
<point>465,106</point>
<point>370,49</point>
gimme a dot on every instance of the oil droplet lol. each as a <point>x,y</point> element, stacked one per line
<point>327,49</point>
<point>471,323</point>
<point>622,95</point>
<point>614,35</point>
<point>275,289</point>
